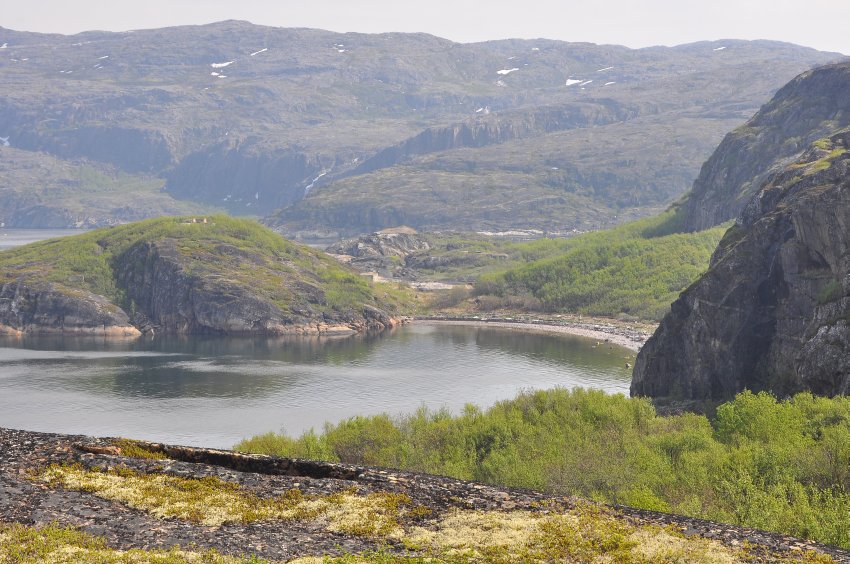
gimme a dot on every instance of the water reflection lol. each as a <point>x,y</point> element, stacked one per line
<point>179,367</point>
<point>215,391</point>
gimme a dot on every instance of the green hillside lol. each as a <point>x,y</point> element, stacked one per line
<point>216,267</point>
<point>637,269</point>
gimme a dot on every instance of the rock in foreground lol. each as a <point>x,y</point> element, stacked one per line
<point>93,497</point>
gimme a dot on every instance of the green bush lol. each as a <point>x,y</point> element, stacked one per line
<point>777,465</point>
<point>637,269</point>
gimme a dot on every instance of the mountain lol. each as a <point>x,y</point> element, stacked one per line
<point>773,311</point>
<point>249,119</point>
<point>810,107</point>
<point>182,275</point>
<point>41,190</point>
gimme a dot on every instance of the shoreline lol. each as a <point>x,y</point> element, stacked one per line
<point>629,339</point>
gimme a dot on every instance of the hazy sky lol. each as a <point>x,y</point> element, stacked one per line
<point>823,24</point>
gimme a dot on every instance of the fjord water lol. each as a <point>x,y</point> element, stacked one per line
<point>210,391</point>
<point>14,237</point>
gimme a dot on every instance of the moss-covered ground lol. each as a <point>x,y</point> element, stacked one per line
<point>551,532</point>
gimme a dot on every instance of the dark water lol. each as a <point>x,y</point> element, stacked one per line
<point>216,391</point>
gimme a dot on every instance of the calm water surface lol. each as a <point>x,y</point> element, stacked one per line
<point>215,391</point>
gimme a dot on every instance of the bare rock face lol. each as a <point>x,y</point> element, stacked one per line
<point>29,306</point>
<point>381,245</point>
<point>385,252</point>
<point>210,275</point>
<point>813,105</point>
<point>773,311</point>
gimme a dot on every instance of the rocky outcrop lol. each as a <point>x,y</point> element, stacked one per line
<point>243,176</point>
<point>211,275</point>
<point>381,244</point>
<point>32,306</point>
<point>773,311</point>
<point>811,106</point>
<point>385,252</point>
<point>499,129</point>
<point>169,295</point>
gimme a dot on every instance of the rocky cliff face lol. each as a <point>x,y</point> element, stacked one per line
<point>773,311</point>
<point>811,106</point>
<point>181,276</point>
<point>30,306</point>
<point>224,174</point>
<point>499,129</point>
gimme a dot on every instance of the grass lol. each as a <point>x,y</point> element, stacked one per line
<point>775,465</point>
<point>133,449</point>
<point>221,252</point>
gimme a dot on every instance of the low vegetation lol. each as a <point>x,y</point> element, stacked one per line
<point>213,248</point>
<point>636,270</point>
<point>211,501</point>
<point>37,545</point>
<point>760,462</point>
<point>581,533</point>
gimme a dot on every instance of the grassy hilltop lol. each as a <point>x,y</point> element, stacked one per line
<point>192,274</point>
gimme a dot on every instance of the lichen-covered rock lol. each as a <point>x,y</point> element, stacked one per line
<point>772,311</point>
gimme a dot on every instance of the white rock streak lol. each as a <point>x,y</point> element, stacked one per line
<point>310,186</point>
<point>506,71</point>
<point>222,65</point>
<point>263,50</point>
<point>571,81</point>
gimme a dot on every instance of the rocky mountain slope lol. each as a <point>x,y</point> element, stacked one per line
<point>182,275</point>
<point>810,107</point>
<point>772,311</point>
<point>251,118</point>
<point>41,190</point>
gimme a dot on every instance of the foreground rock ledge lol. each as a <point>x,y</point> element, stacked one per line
<point>27,501</point>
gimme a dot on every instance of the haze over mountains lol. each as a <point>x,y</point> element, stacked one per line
<point>347,133</point>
